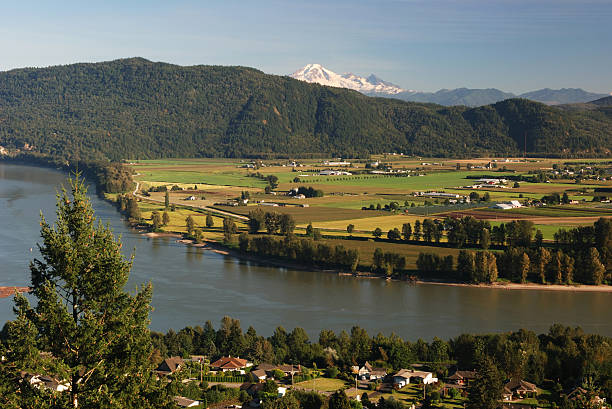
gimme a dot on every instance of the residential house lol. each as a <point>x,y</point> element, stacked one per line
<point>260,374</point>
<point>407,376</point>
<point>582,395</point>
<point>268,370</point>
<point>183,402</point>
<point>371,373</point>
<point>378,373</point>
<point>229,363</point>
<point>461,378</point>
<point>519,389</point>
<point>252,388</point>
<point>289,370</point>
<point>170,365</point>
<point>364,371</point>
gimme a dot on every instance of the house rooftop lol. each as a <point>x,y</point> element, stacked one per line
<point>228,362</point>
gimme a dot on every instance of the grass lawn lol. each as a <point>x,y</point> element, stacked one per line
<point>410,251</point>
<point>322,384</point>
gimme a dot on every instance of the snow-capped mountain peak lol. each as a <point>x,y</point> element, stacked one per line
<point>316,73</point>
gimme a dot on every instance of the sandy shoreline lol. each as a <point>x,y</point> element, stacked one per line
<point>530,286</point>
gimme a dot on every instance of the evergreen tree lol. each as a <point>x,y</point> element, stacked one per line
<point>165,218</point>
<point>85,329</point>
<point>209,221</point>
<point>485,391</point>
<point>339,400</point>
<point>350,228</point>
<point>167,200</point>
<point>565,199</point>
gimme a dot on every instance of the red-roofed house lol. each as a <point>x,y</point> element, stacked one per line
<point>228,363</point>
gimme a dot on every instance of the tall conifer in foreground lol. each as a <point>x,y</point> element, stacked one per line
<point>486,390</point>
<point>85,329</point>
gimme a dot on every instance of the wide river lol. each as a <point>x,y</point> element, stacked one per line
<point>192,285</point>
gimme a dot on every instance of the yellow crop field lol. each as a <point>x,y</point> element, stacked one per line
<point>370,223</point>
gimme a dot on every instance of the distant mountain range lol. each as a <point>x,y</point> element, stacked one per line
<point>315,73</point>
<point>374,86</point>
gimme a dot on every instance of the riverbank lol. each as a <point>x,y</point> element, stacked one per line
<point>527,286</point>
<point>225,250</point>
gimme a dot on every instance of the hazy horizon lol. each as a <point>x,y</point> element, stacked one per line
<point>512,45</point>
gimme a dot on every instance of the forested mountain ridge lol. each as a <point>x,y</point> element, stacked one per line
<point>134,108</point>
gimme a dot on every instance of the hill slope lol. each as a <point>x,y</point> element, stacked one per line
<point>135,108</point>
<point>458,96</point>
<point>561,96</point>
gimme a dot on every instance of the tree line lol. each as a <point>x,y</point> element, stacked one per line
<point>563,356</point>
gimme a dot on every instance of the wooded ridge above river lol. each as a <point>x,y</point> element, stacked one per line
<point>134,108</point>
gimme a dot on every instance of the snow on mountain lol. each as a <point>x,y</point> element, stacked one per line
<point>316,73</point>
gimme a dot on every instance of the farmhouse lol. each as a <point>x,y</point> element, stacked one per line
<point>513,204</point>
<point>405,376</point>
<point>492,181</point>
<point>341,163</point>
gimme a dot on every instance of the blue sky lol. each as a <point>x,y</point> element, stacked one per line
<point>514,45</point>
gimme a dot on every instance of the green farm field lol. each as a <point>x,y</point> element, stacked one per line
<point>219,180</point>
<point>196,177</point>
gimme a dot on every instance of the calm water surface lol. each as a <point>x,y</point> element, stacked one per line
<point>192,285</point>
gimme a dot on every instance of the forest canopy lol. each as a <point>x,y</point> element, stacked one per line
<point>138,109</point>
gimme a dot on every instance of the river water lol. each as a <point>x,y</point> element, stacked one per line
<point>192,285</point>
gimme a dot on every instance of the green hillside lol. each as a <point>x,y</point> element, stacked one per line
<point>134,108</point>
